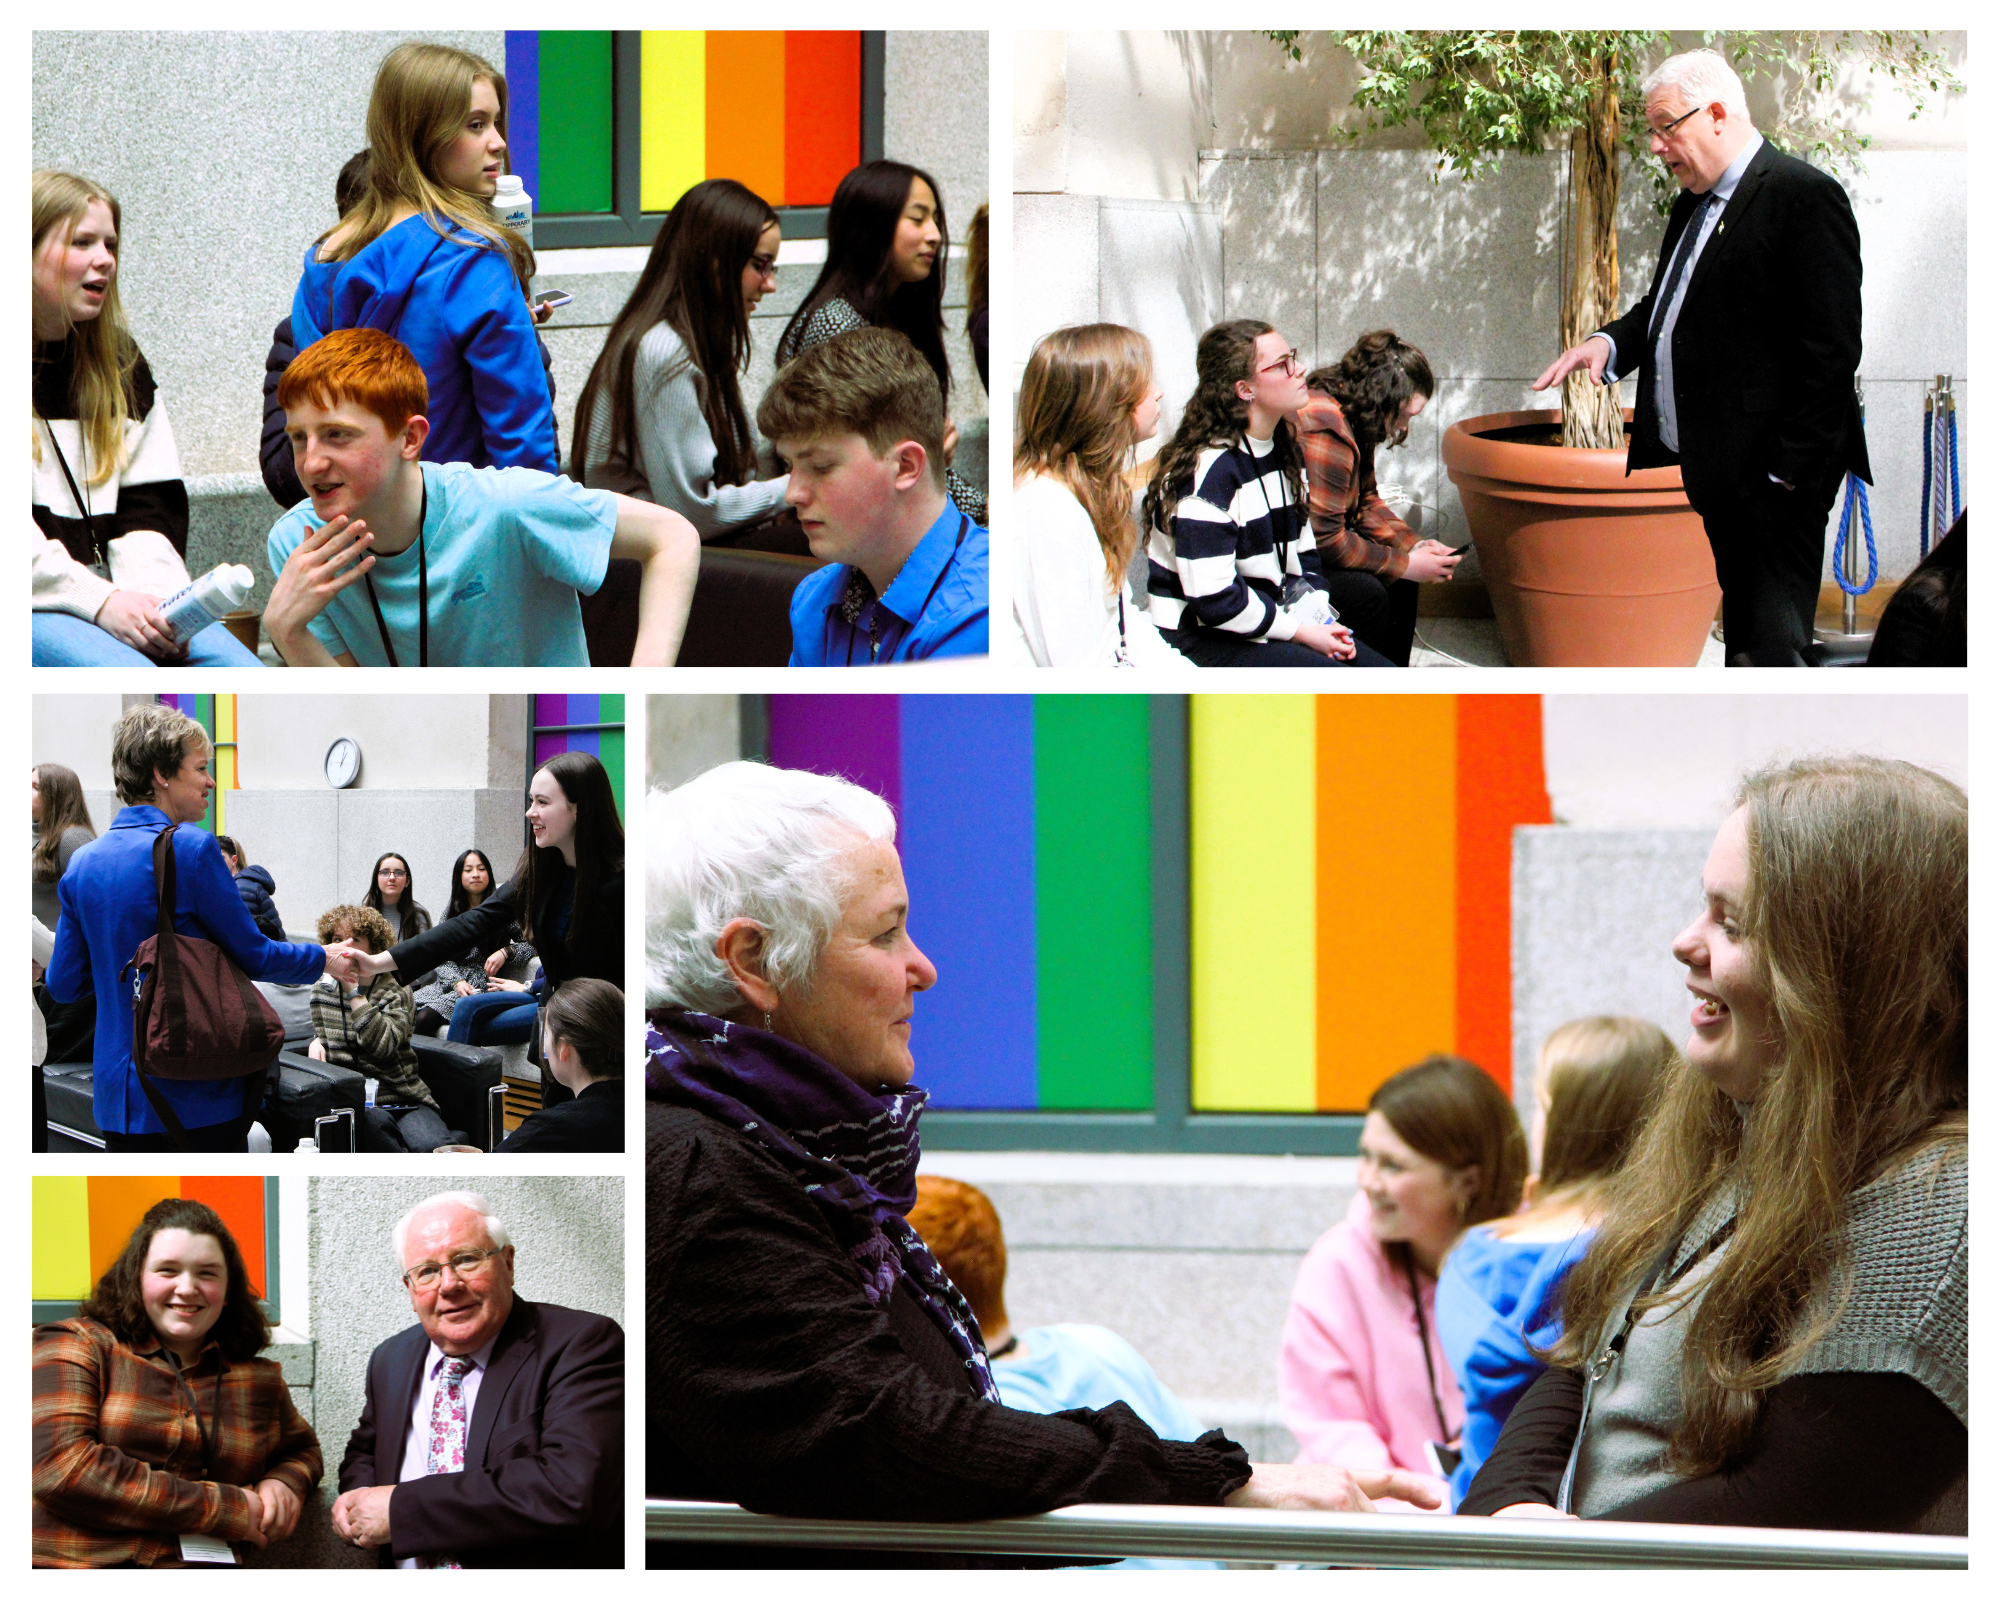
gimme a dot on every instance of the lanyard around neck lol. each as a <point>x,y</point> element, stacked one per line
<point>210,1436</point>
<point>423,594</point>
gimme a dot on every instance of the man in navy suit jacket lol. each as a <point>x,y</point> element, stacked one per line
<point>541,1481</point>
<point>1746,351</point>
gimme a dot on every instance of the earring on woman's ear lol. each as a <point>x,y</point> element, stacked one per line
<point>767,1023</point>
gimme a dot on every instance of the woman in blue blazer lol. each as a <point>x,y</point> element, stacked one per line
<point>159,764</point>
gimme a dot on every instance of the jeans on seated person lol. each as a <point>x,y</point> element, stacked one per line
<point>63,640</point>
<point>402,1128</point>
<point>495,1016</point>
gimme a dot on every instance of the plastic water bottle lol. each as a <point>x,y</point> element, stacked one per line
<point>209,599</point>
<point>513,207</point>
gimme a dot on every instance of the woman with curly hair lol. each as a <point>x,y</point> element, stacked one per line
<point>886,243</point>
<point>1087,400</point>
<point>124,1476</point>
<point>1371,561</point>
<point>1771,1326</point>
<point>1232,575</point>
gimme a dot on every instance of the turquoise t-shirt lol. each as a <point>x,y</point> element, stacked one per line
<point>509,549</point>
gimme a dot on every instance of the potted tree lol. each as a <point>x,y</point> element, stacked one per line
<point>1587,566</point>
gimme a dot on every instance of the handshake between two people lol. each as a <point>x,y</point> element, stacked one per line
<point>352,965</point>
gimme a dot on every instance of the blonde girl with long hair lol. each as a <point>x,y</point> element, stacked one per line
<point>421,257</point>
<point>1771,1326</point>
<point>1499,1294</point>
<point>110,509</point>
<point>1088,400</point>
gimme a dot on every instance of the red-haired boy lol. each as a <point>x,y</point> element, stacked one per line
<point>397,561</point>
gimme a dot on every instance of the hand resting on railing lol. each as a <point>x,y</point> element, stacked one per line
<point>1315,1486</point>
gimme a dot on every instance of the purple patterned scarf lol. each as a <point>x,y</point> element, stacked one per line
<point>855,1152</point>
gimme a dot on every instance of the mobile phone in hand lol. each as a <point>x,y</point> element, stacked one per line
<point>556,299</point>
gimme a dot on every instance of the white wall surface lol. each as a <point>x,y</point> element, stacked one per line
<point>408,741</point>
<point>1673,761</point>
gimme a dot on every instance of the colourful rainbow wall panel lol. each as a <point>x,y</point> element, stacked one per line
<point>217,715</point>
<point>80,1224</point>
<point>1349,872</point>
<point>565,722</point>
<point>779,111</point>
<point>1023,826</point>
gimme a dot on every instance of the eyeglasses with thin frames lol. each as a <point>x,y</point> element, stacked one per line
<point>1289,361</point>
<point>766,266</point>
<point>463,1263</point>
<point>1668,131</point>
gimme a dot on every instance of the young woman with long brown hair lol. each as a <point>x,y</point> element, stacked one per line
<point>421,258</point>
<point>1231,571</point>
<point>1087,400</point>
<point>661,417</point>
<point>1371,561</point>
<point>1771,1326</point>
<point>109,506</point>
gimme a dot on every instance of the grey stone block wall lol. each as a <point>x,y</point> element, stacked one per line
<point>321,844</point>
<point>1595,915</point>
<point>568,1235</point>
<point>689,733</point>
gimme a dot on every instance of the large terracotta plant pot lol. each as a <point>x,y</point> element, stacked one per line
<point>1587,567</point>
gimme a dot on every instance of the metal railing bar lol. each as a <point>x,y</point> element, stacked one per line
<point>1321,1538</point>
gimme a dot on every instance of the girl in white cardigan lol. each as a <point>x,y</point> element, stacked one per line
<point>661,417</point>
<point>1087,400</point>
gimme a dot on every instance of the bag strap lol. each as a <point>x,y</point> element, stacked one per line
<point>171,993</point>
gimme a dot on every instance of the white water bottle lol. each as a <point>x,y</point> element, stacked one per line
<point>513,207</point>
<point>210,598</point>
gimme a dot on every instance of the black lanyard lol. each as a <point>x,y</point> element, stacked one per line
<point>1424,1339</point>
<point>208,1442</point>
<point>423,594</point>
<point>101,546</point>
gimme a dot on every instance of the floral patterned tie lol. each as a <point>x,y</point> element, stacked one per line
<point>447,1447</point>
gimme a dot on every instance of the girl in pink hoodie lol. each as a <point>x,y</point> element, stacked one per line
<point>1362,1378</point>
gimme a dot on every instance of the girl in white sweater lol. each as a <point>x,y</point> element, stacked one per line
<point>1087,400</point>
<point>661,417</point>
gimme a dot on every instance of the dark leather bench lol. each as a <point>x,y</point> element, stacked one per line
<point>742,611</point>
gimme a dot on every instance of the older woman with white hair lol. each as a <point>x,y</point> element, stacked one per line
<point>807,1354</point>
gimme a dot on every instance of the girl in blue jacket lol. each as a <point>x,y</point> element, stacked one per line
<point>421,258</point>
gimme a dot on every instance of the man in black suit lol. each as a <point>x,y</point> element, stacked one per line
<point>1746,346</point>
<point>493,1433</point>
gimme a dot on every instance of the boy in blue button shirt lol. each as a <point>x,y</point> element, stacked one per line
<point>860,419</point>
<point>396,561</point>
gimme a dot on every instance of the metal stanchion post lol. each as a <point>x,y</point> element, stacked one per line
<point>496,1115</point>
<point>320,1128</point>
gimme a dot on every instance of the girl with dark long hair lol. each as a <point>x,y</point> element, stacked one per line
<point>567,893</point>
<point>421,258</point>
<point>472,880</point>
<point>583,1042</point>
<point>62,826</point>
<point>886,243</point>
<point>1232,575</point>
<point>661,417</point>
<point>1771,1325</point>
<point>1371,561</point>
<point>391,892</point>
<point>173,1325</point>
<point>1087,399</point>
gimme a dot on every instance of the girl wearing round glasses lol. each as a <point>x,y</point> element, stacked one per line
<point>661,417</point>
<point>389,892</point>
<point>1232,573</point>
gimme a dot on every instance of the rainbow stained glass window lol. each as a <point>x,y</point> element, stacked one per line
<point>217,715</point>
<point>1319,962</point>
<point>780,111</point>
<point>80,1224</point>
<point>592,723</point>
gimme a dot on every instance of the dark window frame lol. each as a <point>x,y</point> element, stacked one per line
<point>1173,1125</point>
<point>627,223</point>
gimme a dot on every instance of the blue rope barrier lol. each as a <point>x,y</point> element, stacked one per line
<point>1924,494</point>
<point>1856,490</point>
<point>1955,507</point>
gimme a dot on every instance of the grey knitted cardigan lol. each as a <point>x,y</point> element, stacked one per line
<point>1904,1267</point>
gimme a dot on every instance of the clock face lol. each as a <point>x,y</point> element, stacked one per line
<point>343,763</point>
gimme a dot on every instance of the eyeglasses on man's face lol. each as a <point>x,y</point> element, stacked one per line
<point>1288,362</point>
<point>1666,131</point>
<point>463,1264</point>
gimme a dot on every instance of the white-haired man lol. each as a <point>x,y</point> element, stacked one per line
<point>494,1431</point>
<point>1746,346</point>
